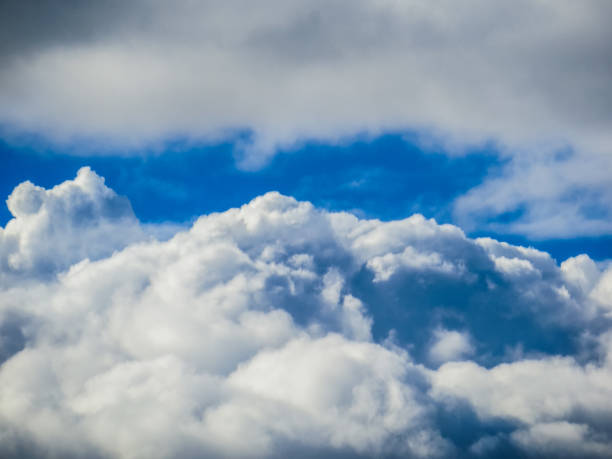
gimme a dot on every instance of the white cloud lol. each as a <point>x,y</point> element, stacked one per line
<point>583,274</point>
<point>256,332</point>
<point>450,345</point>
<point>291,70</point>
<point>529,391</point>
<point>338,393</point>
<point>52,229</point>
<point>562,439</point>
<point>602,292</point>
<point>386,265</point>
<point>549,196</point>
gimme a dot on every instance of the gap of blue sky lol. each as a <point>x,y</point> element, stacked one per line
<point>389,177</point>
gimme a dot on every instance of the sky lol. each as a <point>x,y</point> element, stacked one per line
<point>377,228</point>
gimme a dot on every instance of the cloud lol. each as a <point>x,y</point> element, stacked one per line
<point>268,331</point>
<point>450,345</point>
<point>563,407</point>
<point>52,229</point>
<point>563,438</point>
<point>294,70</point>
<point>542,195</point>
<point>531,390</point>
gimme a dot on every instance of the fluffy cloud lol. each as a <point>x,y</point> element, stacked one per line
<point>279,329</point>
<point>450,345</point>
<point>52,229</point>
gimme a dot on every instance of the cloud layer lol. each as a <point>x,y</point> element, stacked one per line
<point>278,329</point>
<point>293,70</point>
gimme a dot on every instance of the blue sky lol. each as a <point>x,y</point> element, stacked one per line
<point>387,177</point>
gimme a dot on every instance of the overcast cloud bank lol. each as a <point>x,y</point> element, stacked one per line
<point>280,329</point>
<point>289,70</point>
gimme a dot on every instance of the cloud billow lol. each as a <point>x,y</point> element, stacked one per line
<point>280,329</point>
<point>55,228</point>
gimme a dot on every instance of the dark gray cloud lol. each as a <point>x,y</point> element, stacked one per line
<point>31,26</point>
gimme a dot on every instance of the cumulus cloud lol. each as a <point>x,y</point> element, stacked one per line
<point>269,331</point>
<point>52,229</point>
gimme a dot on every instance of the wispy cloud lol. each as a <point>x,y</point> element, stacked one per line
<point>542,195</point>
